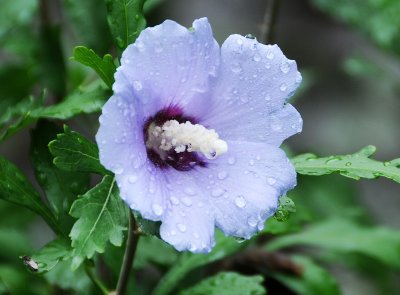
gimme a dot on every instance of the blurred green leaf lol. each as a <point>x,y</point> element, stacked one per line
<point>15,188</point>
<point>341,235</point>
<point>15,280</point>
<point>104,67</point>
<point>126,20</point>
<point>102,219</point>
<point>61,187</point>
<point>228,283</point>
<point>314,280</point>
<point>51,254</point>
<point>188,261</point>
<point>379,19</point>
<point>16,13</point>
<point>13,243</point>
<point>147,246</point>
<point>73,152</point>
<point>356,166</point>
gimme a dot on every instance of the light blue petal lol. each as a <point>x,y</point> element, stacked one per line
<point>248,100</point>
<point>172,65</point>
<point>244,185</point>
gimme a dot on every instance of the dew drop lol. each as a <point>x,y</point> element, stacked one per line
<point>189,191</point>
<point>181,227</point>
<point>137,85</point>
<point>285,67</point>
<point>251,162</point>
<point>132,179</point>
<point>348,164</point>
<point>270,54</point>
<point>283,87</point>
<point>256,57</point>
<point>157,209</point>
<point>240,201</point>
<point>252,221</point>
<point>239,41</point>
<point>236,68</point>
<point>217,192</point>
<point>174,200</point>
<point>186,201</point>
<point>267,97</point>
<point>231,160</point>
<point>118,169</point>
<point>271,180</point>
<point>222,175</point>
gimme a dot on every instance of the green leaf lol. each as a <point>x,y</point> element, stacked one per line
<point>286,206</point>
<point>314,280</point>
<point>147,246</point>
<point>102,219</point>
<point>187,262</point>
<point>51,254</point>
<point>356,166</point>
<point>105,67</point>
<point>341,235</point>
<point>228,283</point>
<point>15,188</point>
<point>61,187</point>
<point>73,152</point>
<point>126,20</point>
<point>76,103</point>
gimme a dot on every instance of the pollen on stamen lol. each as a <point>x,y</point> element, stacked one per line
<point>189,137</point>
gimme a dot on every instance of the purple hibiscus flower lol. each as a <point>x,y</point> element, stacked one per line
<point>193,131</point>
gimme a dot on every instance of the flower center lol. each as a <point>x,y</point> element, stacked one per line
<point>174,140</point>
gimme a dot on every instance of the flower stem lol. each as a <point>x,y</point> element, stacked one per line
<point>267,32</point>
<point>95,280</point>
<point>133,238</point>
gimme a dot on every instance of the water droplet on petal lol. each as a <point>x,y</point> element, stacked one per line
<point>285,67</point>
<point>157,209</point>
<point>239,41</point>
<point>270,54</point>
<point>271,180</point>
<point>256,57</point>
<point>132,179</point>
<point>217,192</point>
<point>186,201</point>
<point>267,97</point>
<point>283,87</point>
<point>231,160</point>
<point>137,85</point>
<point>251,162</point>
<point>118,169</point>
<point>222,175</point>
<point>174,200</point>
<point>252,221</point>
<point>250,36</point>
<point>240,201</point>
<point>236,68</point>
<point>189,191</point>
<point>181,227</point>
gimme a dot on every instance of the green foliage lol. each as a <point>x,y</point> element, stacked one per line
<point>286,206</point>
<point>73,152</point>
<point>356,166</point>
<point>228,283</point>
<point>102,219</point>
<point>51,254</point>
<point>126,20</point>
<point>340,235</point>
<point>61,187</point>
<point>148,246</point>
<point>379,19</point>
<point>187,262</point>
<point>105,67</point>
<point>314,280</point>
<point>29,110</point>
<point>15,188</point>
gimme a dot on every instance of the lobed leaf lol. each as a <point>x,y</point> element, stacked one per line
<point>126,20</point>
<point>314,280</point>
<point>228,283</point>
<point>341,235</point>
<point>15,188</point>
<point>104,67</point>
<point>61,187</point>
<point>188,261</point>
<point>51,254</point>
<point>102,218</point>
<point>73,152</point>
<point>356,166</point>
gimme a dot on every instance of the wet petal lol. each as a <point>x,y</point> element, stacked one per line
<point>255,82</point>
<point>245,184</point>
<point>189,221</point>
<point>172,65</point>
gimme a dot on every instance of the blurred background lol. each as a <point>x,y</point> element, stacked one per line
<point>347,51</point>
